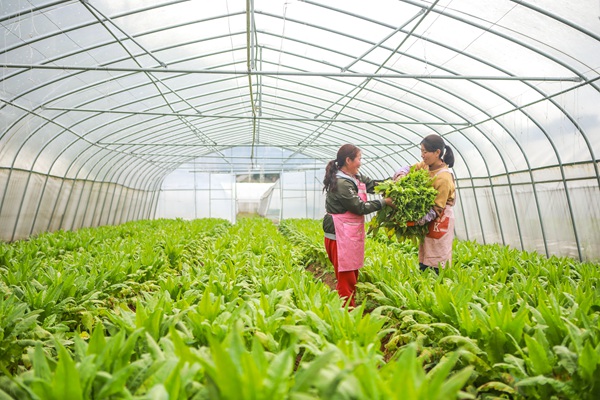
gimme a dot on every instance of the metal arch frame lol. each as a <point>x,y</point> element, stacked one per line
<point>49,172</point>
<point>348,121</point>
<point>585,138</point>
<point>232,14</point>
<point>114,154</point>
<point>563,111</point>
<point>426,111</point>
<point>109,156</point>
<point>359,87</point>
<point>106,180</point>
<point>546,55</point>
<point>152,166</point>
<point>488,90</point>
<point>505,37</point>
<point>538,125</point>
<point>27,185</point>
<point>533,182</point>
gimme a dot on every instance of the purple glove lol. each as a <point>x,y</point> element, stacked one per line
<point>401,172</point>
<point>430,216</point>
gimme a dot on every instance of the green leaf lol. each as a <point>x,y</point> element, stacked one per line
<point>116,384</point>
<point>66,383</point>
<point>123,357</point>
<point>438,375</point>
<point>154,348</point>
<point>5,396</point>
<point>452,385</point>
<point>158,392</point>
<point>567,359</point>
<point>588,362</point>
<point>41,369</point>
<point>224,373</point>
<point>97,341</point>
<point>408,374</point>
<point>306,376</point>
<point>497,387</point>
<point>181,349</point>
<point>279,372</point>
<point>540,380</point>
<point>173,382</point>
<point>537,360</point>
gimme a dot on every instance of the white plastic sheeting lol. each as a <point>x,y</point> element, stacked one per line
<point>101,100</point>
<point>198,195</point>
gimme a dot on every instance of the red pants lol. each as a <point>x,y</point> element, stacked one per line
<point>346,280</point>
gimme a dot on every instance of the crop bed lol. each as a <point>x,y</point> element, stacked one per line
<point>173,309</point>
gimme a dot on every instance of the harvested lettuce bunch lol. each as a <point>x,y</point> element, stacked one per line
<point>413,195</point>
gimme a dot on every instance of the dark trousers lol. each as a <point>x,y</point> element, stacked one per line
<point>424,267</point>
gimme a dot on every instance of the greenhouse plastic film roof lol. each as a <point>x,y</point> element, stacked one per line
<point>101,101</point>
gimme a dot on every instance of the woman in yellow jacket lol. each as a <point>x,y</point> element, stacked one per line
<point>436,249</point>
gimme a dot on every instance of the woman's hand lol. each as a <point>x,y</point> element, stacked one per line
<point>389,202</point>
<point>401,172</point>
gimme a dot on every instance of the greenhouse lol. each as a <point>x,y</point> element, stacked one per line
<point>162,168</point>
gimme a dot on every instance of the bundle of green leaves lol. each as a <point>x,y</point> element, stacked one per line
<point>413,195</point>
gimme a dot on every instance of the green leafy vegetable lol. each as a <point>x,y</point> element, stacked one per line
<point>413,195</point>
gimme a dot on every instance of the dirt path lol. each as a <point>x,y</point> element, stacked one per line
<point>323,274</point>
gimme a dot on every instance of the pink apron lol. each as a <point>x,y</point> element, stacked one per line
<point>438,252</point>
<point>350,236</point>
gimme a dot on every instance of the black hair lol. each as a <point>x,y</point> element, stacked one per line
<point>333,166</point>
<point>436,142</point>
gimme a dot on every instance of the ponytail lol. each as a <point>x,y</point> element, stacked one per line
<point>448,156</point>
<point>330,181</point>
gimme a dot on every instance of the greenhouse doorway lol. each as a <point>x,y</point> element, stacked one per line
<point>254,192</point>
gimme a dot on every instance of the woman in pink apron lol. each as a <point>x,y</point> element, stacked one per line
<point>344,224</point>
<point>436,249</point>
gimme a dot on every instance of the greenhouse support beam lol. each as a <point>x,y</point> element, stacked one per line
<point>558,18</point>
<point>545,181</point>
<point>201,135</point>
<point>176,114</point>
<point>250,66</point>
<point>242,145</point>
<point>32,10</point>
<point>547,55</point>
<point>347,67</point>
<point>90,7</point>
<point>153,79</point>
<point>544,98</point>
<point>545,167</point>
<point>209,156</point>
<point>295,73</point>
<point>548,97</point>
<point>363,84</point>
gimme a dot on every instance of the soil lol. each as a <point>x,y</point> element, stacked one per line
<point>322,274</point>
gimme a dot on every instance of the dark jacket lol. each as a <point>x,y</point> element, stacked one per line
<point>345,198</point>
